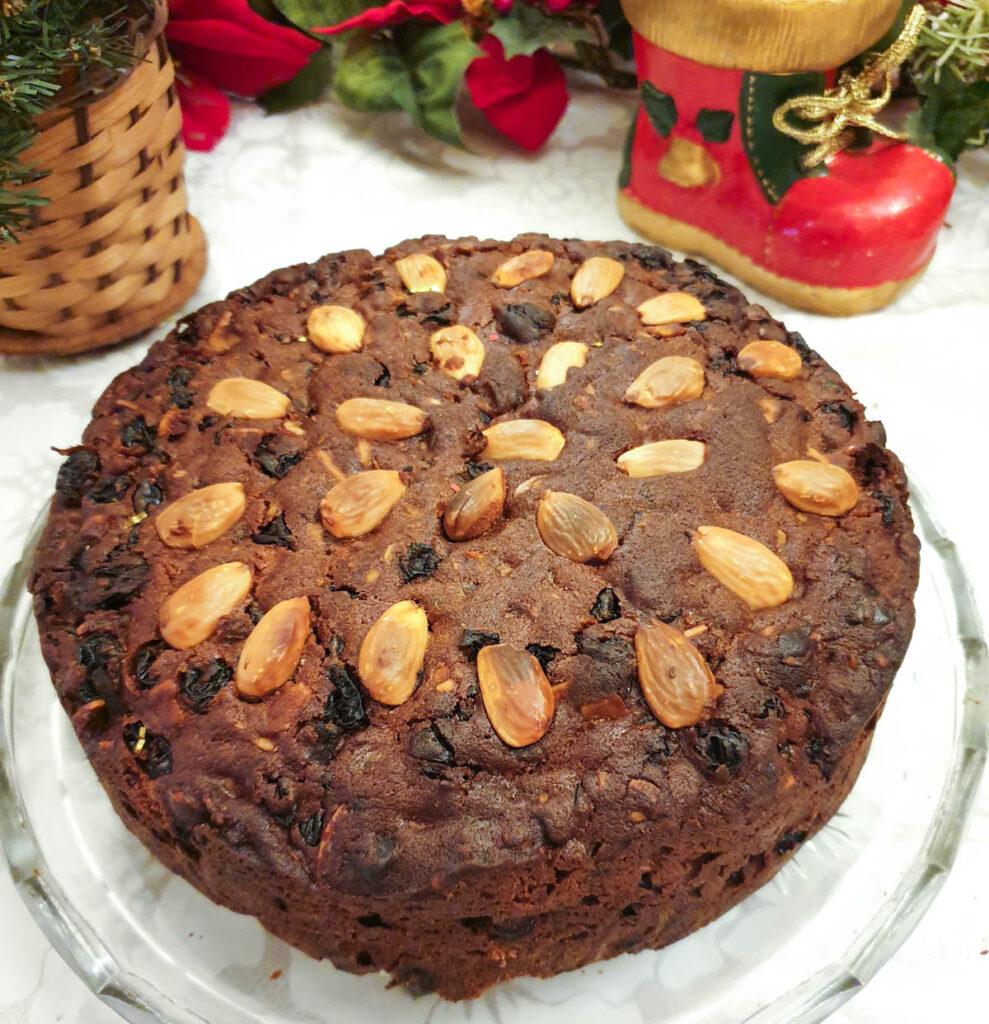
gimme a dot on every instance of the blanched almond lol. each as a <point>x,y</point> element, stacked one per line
<point>335,329</point>
<point>671,308</point>
<point>770,359</point>
<point>458,352</point>
<point>393,652</point>
<point>190,615</point>
<point>524,267</point>
<point>574,528</point>
<point>746,567</point>
<point>201,515</point>
<point>358,503</point>
<point>271,653</point>
<point>667,381</point>
<point>421,273</point>
<point>818,487</point>
<point>661,457</point>
<point>475,508</point>
<point>558,359</point>
<point>596,279</point>
<point>674,676</point>
<point>247,399</point>
<point>377,419</point>
<point>535,440</point>
<point>517,696</point>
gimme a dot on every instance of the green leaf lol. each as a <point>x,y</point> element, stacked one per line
<point>954,115</point>
<point>307,14</point>
<point>526,29</point>
<point>775,158</point>
<point>307,87</point>
<point>619,31</point>
<point>661,108</point>
<point>373,77</point>
<point>715,125</point>
<point>437,58</point>
<point>625,174</point>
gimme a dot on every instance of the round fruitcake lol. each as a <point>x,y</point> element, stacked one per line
<point>480,609</point>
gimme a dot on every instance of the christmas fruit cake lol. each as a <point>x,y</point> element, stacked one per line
<point>481,609</point>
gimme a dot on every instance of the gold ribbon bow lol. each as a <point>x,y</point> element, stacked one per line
<point>851,102</point>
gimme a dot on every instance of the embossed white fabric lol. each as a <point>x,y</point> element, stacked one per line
<point>283,189</point>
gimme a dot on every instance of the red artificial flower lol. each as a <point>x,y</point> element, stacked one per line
<point>223,46</point>
<point>524,98</point>
<point>397,11</point>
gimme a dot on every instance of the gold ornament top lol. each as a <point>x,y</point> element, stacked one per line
<point>770,36</point>
<point>852,102</point>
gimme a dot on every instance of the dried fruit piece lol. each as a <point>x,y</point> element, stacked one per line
<point>190,615</point>
<point>335,329</point>
<point>596,279</point>
<point>476,507</point>
<point>458,352</point>
<point>419,562</point>
<point>247,399</point>
<point>393,651</point>
<point>535,440</point>
<point>818,487</point>
<point>674,677</point>
<point>517,696</point>
<point>271,653</point>
<point>421,273</point>
<point>746,567</point>
<point>524,267</point>
<point>770,359</point>
<point>667,381</point>
<point>377,419</point>
<point>201,515</point>
<point>574,528</point>
<point>558,359</point>
<point>661,457</point>
<point>222,338</point>
<point>671,308</point>
<point>358,503</point>
<point>771,408</point>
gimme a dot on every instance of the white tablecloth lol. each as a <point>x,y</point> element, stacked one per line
<point>283,189</point>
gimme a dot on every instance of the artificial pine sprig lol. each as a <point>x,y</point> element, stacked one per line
<point>950,70</point>
<point>42,43</point>
<point>956,40</point>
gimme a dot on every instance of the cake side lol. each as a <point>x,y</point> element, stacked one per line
<point>441,854</point>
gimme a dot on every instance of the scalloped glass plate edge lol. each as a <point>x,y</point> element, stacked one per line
<point>823,993</point>
<point>809,1002</point>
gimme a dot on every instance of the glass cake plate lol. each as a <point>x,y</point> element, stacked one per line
<point>155,950</point>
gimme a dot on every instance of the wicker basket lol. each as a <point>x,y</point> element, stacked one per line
<point>115,251</point>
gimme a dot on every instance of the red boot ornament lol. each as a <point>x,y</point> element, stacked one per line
<point>752,150</point>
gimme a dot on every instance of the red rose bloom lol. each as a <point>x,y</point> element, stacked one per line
<point>524,98</point>
<point>223,46</point>
<point>397,11</point>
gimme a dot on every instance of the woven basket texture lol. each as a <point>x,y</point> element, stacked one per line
<point>115,251</point>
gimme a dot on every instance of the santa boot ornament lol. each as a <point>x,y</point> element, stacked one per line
<point>752,150</point>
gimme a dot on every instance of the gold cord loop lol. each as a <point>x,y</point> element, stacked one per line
<point>851,102</point>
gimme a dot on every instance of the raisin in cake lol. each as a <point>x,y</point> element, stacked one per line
<point>480,609</point>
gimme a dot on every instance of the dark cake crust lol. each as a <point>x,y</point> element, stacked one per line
<point>411,839</point>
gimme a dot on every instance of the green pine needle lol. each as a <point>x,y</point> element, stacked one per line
<point>38,42</point>
<point>955,39</point>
